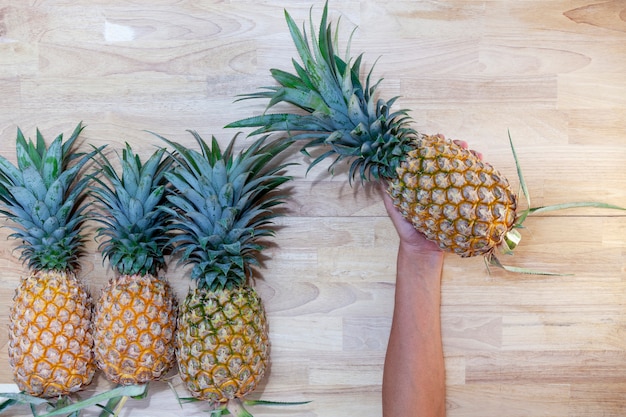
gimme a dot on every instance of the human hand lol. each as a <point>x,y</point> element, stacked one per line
<point>406,231</point>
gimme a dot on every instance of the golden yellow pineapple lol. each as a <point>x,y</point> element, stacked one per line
<point>50,339</point>
<point>458,201</point>
<point>135,316</point>
<point>223,204</point>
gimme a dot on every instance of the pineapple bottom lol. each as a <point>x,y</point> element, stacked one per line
<point>222,343</point>
<point>50,339</point>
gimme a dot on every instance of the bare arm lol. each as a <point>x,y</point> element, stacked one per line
<point>414,373</point>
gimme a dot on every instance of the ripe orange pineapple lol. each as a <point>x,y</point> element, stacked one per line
<point>447,192</point>
<point>223,206</point>
<point>50,339</point>
<point>135,316</point>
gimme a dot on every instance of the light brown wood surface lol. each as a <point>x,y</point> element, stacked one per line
<point>552,72</point>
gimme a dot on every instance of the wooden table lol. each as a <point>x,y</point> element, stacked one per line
<point>553,73</point>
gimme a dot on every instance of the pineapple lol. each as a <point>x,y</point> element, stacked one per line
<point>135,316</point>
<point>50,339</point>
<point>447,192</point>
<point>224,204</point>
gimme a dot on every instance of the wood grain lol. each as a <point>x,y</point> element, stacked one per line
<point>552,73</point>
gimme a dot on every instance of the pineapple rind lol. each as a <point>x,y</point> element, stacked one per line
<point>50,342</point>
<point>223,343</point>
<point>134,326</point>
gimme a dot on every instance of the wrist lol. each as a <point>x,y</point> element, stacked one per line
<point>421,250</point>
<point>420,261</point>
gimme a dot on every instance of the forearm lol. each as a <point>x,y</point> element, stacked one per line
<point>414,375</point>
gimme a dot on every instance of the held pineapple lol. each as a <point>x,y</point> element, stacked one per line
<point>224,205</point>
<point>50,340</point>
<point>446,191</point>
<point>135,316</point>
<point>458,201</point>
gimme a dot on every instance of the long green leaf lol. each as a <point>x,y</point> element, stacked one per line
<point>522,182</point>
<point>494,261</point>
<point>6,404</point>
<point>52,164</point>
<point>576,204</point>
<point>129,391</point>
<point>277,403</point>
<point>22,398</point>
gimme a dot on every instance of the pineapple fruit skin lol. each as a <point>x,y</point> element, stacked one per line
<point>134,327</point>
<point>456,200</point>
<point>222,343</point>
<point>50,336</point>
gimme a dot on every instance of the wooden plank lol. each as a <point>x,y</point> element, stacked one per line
<point>548,72</point>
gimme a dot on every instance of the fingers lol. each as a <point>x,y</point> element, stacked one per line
<point>460,143</point>
<point>464,145</point>
<point>477,154</point>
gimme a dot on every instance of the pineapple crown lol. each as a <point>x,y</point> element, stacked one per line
<point>134,225</point>
<point>223,204</point>
<point>340,113</point>
<point>43,196</point>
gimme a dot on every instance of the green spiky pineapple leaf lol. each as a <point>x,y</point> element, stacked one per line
<point>220,206</point>
<point>43,196</point>
<point>134,227</point>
